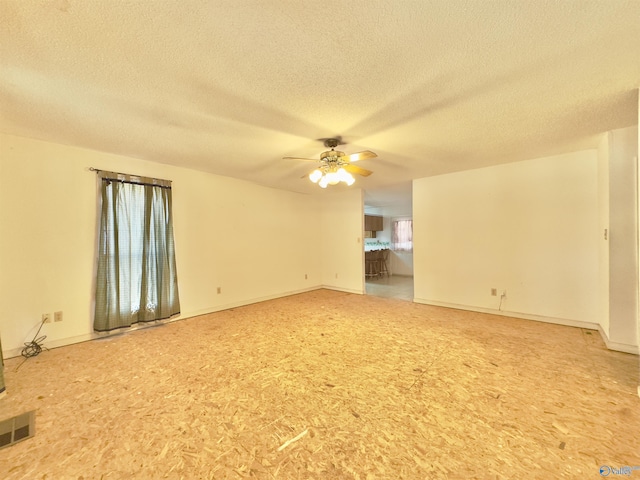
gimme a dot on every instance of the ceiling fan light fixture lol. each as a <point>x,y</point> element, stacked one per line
<point>345,176</point>
<point>333,178</point>
<point>323,179</point>
<point>335,167</point>
<point>315,176</point>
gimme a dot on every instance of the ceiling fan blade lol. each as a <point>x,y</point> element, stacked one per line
<point>300,158</point>
<point>354,157</point>
<point>357,170</point>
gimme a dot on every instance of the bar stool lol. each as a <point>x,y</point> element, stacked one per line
<point>383,257</point>
<point>371,264</point>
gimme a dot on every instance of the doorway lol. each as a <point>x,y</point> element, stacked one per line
<point>388,265</point>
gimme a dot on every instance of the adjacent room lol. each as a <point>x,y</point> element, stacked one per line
<point>388,242</point>
<point>319,240</point>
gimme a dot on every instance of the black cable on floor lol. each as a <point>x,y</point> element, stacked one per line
<point>34,347</point>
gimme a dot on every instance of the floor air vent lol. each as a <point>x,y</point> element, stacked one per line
<point>17,428</point>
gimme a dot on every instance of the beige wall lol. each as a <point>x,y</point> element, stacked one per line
<point>253,242</point>
<point>618,252</point>
<point>623,237</point>
<point>603,217</point>
<point>530,228</point>
<point>342,252</point>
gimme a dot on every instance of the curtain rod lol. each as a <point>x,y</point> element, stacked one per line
<point>97,170</point>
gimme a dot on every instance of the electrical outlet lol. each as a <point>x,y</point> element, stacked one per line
<point>305,276</point>
<point>46,318</point>
<point>219,289</point>
<point>336,275</point>
<point>494,292</point>
<point>57,316</point>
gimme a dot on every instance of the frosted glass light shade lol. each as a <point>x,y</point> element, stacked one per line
<point>315,176</point>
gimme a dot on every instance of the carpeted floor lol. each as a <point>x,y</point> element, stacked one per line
<point>328,385</point>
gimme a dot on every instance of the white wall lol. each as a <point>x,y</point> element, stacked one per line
<point>253,242</point>
<point>342,252</point>
<point>530,228</point>
<point>603,216</point>
<point>401,263</point>
<point>638,233</point>
<point>623,241</point>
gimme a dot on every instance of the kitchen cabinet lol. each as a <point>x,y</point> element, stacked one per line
<point>373,223</point>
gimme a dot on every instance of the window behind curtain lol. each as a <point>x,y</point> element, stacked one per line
<point>402,235</point>
<point>136,278</point>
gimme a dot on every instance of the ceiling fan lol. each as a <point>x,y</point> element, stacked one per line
<point>335,166</point>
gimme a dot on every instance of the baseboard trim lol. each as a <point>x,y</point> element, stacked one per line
<point>63,342</point>
<point>242,303</point>
<point>59,342</point>
<point>618,347</point>
<point>504,313</point>
<point>340,289</point>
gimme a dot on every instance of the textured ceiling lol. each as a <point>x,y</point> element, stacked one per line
<point>231,87</point>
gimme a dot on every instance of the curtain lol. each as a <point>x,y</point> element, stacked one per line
<point>136,278</point>
<point>3,390</point>
<point>402,235</point>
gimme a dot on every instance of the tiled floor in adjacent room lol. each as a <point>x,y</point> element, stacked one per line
<point>390,286</point>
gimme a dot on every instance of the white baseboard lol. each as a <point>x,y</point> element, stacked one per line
<point>618,347</point>
<point>63,342</point>
<point>340,289</point>
<point>525,316</point>
<point>59,342</point>
<point>242,303</point>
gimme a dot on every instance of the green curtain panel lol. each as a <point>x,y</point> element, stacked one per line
<point>3,389</point>
<point>136,279</point>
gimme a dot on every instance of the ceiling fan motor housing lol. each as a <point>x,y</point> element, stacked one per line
<point>331,142</point>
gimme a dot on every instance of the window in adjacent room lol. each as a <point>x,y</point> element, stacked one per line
<point>402,235</point>
<point>136,277</point>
